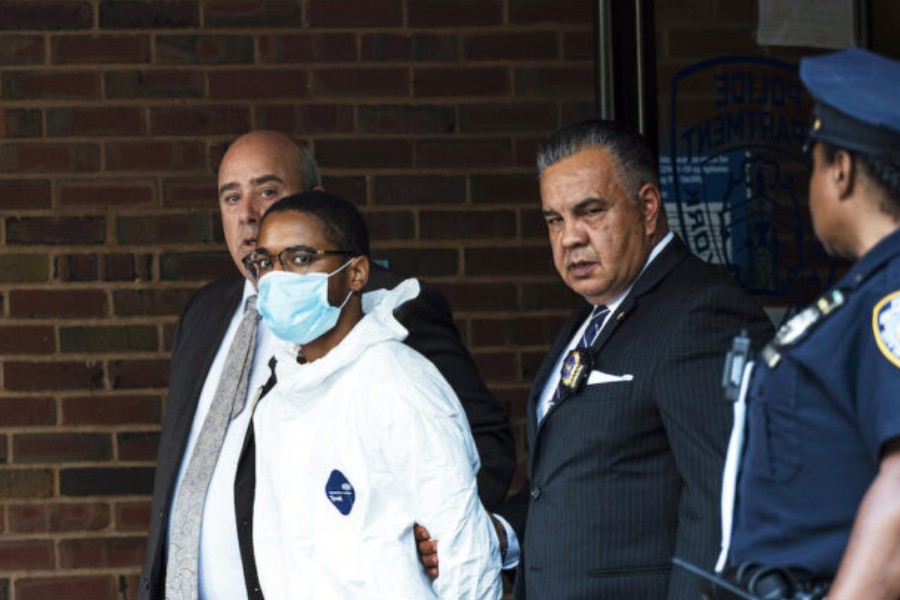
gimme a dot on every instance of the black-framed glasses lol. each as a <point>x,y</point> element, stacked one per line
<point>295,259</point>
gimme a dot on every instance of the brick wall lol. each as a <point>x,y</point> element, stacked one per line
<point>112,118</point>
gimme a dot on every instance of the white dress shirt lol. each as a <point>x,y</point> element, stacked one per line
<point>221,573</point>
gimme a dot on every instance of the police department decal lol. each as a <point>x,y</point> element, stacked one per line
<point>886,325</point>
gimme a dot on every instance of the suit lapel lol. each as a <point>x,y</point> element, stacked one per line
<point>656,271</point>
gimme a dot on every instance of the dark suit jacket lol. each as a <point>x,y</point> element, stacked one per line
<point>626,474</point>
<point>200,331</point>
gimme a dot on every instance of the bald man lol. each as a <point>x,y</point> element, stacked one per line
<point>258,169</point>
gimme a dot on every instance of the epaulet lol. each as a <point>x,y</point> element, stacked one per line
<point>802,324</point>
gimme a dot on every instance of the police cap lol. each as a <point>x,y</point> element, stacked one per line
<point>857,96</point>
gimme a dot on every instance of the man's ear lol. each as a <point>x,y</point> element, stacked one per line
<point>843,173</point>
<point>650,203</point>
<point>359,273</point>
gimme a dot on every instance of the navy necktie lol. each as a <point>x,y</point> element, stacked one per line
<point>598,316</point>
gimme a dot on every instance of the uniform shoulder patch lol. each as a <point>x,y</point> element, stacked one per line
<point>886,326</point>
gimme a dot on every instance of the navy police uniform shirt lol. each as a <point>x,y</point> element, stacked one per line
<point>817,421</point>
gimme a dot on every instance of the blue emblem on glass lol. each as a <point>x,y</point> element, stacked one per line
<point>340,492</point>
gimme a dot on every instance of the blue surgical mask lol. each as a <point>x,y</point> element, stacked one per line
<point>295,307</point>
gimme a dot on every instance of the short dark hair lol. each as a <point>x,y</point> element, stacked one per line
<point>636,157</point>
<point>344,224</point>
<point>883,170</point>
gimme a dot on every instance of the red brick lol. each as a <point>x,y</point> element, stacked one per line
<point>204,49</point>
<point>514,118</point>
<point>363,82</point>
<point>553,295</point>
<point>24,193</point>
<point>103,49</point>
<point>531,223</point>
<point>739,12</point>
<point>49,85</point>
<point>77,267</point>
<point>419,189</point>
<point>180,266</point>
<point>105,481</point>
<point>106,339</point>
<point>188,120</point>
<point>106,121</point>
<point>575,112</point>
<point>26,555</point>
<point>59,517</point>
<point>505,189</point>
<point>111,410</point>
<point>158,83</point>
<point>480,296</point>
<point>305,119</point>
<point>134,374</point>
<point>508,261</point>
<point>461,81</point>
<point>420,47</point>
<point>575,12</point>
<point>15,339</point>
<point>469,153</point>
<point>60,15</point>
<point>95,587</point>
<point>21,49</point>
<point>390,224</point>
<point>155,156</point>
<point>555,81</point>
<point>162,302</point>
<point>132,516</point>
<point>41,158</point>
<point>258,84</point>
<point>528,45</point>
<point>26,483</point>
<point>111,193</point>
<point>57,375</point>
<point>579,45</point>
<point>96,553</point>
<point>455,13</point>
<point>308,47</point>
<point>455,224</point>
<point>363,13</point>
<point>52,230</point>
<point>422,262</point>
<point>496,366</point>
<point>148,14</point>
<point>22,123</point>
<point>190,193</point>
<point>364,153</point>
<point>128,267</point>
<point>163,229</point>
<point>252,13</point>
<point>61,447</point>
<point>406,119</point>
<point>526,150</point>
<point>26,411</point>
<point>137,446</point>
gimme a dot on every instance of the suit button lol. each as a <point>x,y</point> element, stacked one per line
<point>535,493</point>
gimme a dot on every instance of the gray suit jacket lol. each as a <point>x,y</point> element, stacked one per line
<point>626,474</point>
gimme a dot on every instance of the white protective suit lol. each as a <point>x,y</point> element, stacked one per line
<point>354,448</point>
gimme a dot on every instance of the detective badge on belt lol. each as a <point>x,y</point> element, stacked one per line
<point>575,370</point>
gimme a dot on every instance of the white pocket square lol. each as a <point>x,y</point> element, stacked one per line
<point>601,377</point>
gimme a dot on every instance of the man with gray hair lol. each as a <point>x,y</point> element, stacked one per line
<point>626,424</point>
<point>193,546</point>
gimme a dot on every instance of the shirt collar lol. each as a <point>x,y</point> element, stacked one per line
<point>654,252</point>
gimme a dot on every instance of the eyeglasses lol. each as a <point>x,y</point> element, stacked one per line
<point>295,259</point>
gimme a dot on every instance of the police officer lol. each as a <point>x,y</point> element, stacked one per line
<point>818,491</point>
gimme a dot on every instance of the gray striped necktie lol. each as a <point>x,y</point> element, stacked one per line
<point>183,563</point>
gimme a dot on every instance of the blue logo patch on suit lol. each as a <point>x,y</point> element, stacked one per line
<point>339,492</point>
